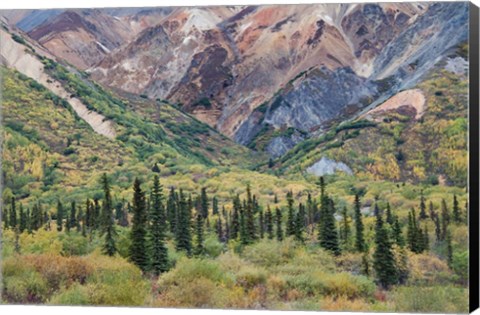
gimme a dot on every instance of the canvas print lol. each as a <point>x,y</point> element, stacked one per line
<point>280,157</point>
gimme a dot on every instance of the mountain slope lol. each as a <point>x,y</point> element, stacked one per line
<point>222,63</point>
<point>85,37</point>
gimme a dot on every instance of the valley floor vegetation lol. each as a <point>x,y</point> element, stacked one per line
<point>401,251</point>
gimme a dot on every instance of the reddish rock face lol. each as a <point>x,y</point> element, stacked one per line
<point>221,63</point>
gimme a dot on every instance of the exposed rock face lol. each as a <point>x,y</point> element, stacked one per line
<point>85,37</point>
<point>328,167</point>
<point>244,68</point>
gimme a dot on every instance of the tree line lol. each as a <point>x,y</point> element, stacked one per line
<point>154,217</point>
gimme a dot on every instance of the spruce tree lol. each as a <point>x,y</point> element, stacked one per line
<point>97,215</point>
<point>157,249</point>
<point>107,223</point>
<point>423,208</point>
<point>328,235</point>
<point>60,215</point>
<point>183,230</point>
<point>383,257</point>
<point>457,218</point>
<point>249,217</point>
<point>438,229</point>
<point>448,238</point>
<point>214,205</point>
<point>278,223</point>
<point>359,237</point>
<point>79,219</point>
<point>426,239</point>
<point>73,215</point>
<point>13,214</point>
<point>89,215</point>
<point>22,226</point>
<point>204,203</point>
<point>390,219</point>
<point>138,248</point>
<point>299,227</point>
<point>36,217</point>
<point>445,220</point>
<point>261,223</point>
<point>269,223</point>
<point>199,249</point>
<point>243,226</point>
<point>431,211</point>
<point>397,233</point>
<point>290,229</point>
<point>235,225</point>
<point>29,220</point>
<point>219,230</point>
<point>345,230</point>
<point>172,210</point>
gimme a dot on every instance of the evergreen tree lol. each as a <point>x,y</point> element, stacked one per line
<point>124,219</point>
<point>172,210</point>
<point>79,219</point>
<point>118,211</point>
<point>423,208</point>
<point>73,215</point>
<point>156,168</point>
<point>29,221</point>
<point>60,215</point>
<point>89,215</point>
<point>214,205</point>
<point>397,233</point>
<point>183,230</point>
<point>107,222</point>
<point>249,217</point>
<point>345,230</point>
<point>235,225</point>
<point>390,219</point>
<point>445,220</point>
<point>37,217</point>
<point>199,249</point>
<point>97,216</point>
<point>158,250</point>
<point>457,218</point>
<point>449,249</point>
<point>204,203</point>
<point>243,225</point>
<point>219,230</point>
<point>383,257</point>
<point>438,228</point>
<point>431,211</point>
<point>13,214</point>
<point>359,238</point>
<point>290,229</point>
<point>5,215</point>
<point>416,240</point>
<point>138,248</point>
<point>23,219</point>
<point>299,227</point>
<point>269,223</point>
<point>261,223</point>
<point>278,222</point>
<point>328,235</point>
<point>426,239</point>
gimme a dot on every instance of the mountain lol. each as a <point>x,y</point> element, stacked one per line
<point>85,37</point>
<point>61,129</point>
<point>247,70</point>
<point>279,80</point>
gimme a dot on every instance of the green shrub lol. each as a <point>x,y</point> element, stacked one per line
<point>25,288</point>
<point>75,295</point>
<point>439,299</point>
